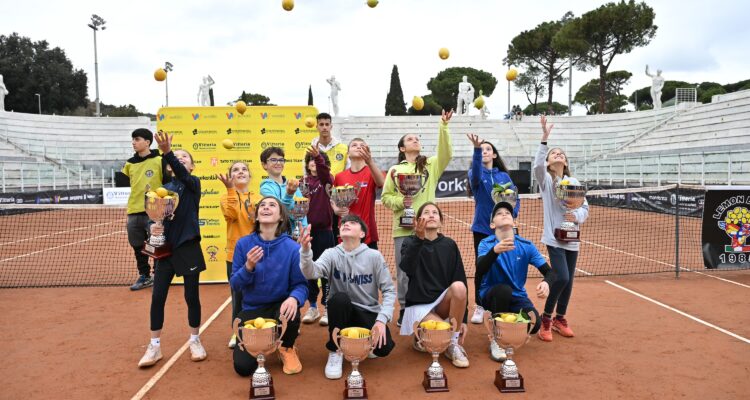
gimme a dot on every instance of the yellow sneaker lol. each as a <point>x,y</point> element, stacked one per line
<point>290,359</point>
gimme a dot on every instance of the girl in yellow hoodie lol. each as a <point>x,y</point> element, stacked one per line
<point>238,207</point>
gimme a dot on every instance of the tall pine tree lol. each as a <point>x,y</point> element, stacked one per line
<point>394,102</point>
<point>309,96</point>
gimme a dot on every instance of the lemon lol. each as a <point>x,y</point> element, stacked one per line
<point>160,74</point>
<point>228,144</point>
<point>511,74</point>
<point>510,318</point>
<point>269,324</point>
<point>479,102</point>
<point>287,4</point>
<point>417,102</point>
<point>258,322</point>
<point>444,53</point>
<point>240,106</point>
<point>161,192</point>
<point>442,325</point>
<point>151,193</point>
<point>309,122</point>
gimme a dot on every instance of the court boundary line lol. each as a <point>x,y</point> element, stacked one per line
<point>61,246</point>
<point>172,360</point>
<point>680,312</point>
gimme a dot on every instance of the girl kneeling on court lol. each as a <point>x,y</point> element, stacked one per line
<point>437,281</point>
<point>504,260</point>
<point>183,234</point>
<point>238,207</point>
<point>550,166</point>
<point>266,270</point>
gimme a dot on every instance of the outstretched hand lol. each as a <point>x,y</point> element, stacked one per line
<point>313,151</point>
<point>304,239</point>
<point>546,129</point>
<point>226,180</point>
<point>446,117</point>
<point>474,139</point>
<point>164,141</point>
<point>420,228</point>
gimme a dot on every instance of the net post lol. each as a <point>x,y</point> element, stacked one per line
<point>677,231</point>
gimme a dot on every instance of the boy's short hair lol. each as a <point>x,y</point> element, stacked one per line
<point>266,154</point>
<point>323,116</point>
<point>143,133</point>
<point>355,218</point>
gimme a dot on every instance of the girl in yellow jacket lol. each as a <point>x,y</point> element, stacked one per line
<point>238,207</point>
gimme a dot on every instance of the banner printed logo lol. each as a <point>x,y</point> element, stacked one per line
<point>161,117</point>
<point>298,115</point>
<point>736,224</point>
<point>230,115</point>
<point>196,116</point>
<point>264,115</point>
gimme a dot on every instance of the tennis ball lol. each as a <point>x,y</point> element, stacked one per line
<point>479,102</point>
<point>269,324</point>
<point>161,192</point>
<point>372,3</point>
<point>417,102</point>
<point>240,106</point>
<point>309,122</point>
<point>511,75</point>
<point>258,322</point>
<point>444,53</point>
<point>160,74</point>
<point>287,4</point>
<point>228,144</point>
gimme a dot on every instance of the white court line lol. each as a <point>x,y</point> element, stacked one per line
<point>716,277</point>
<point>60,246</point>
<point>58,233</point>
<point>684,314</point>
<point>158,375</point>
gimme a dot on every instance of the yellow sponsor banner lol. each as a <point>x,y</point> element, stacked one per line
<point>201,131</point>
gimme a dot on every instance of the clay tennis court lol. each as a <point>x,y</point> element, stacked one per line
<point>85,342</point>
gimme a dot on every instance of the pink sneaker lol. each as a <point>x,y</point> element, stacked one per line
<point>545,333</point>
<point>560,325</point>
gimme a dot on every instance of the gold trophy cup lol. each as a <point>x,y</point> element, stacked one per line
<point>510,336</point>
<point>409,185</point>
<point>159,209</point>
<point>355,346</point>
<point>299,212</point>
<point>571,198</point>
<point>259,342</point>
<point>435,341</point>
<point>344,196</point>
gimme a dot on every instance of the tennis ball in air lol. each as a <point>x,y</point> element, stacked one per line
<point>479,102</point>
<point>228,144</point>
<point>444,53</point>
<point>160,74</point>
<point>372,3</point>
<point>417,102</point>
<point>287,4</point>
<point>512,74</point>
<point>240,106</point>
<point>309,122</point>
<point>161,192</point>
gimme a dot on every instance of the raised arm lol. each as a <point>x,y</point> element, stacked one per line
<point>444,145</point>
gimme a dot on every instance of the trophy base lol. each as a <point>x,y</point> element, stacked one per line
<point>262,392</point>
<point>157,253</point>
<point>406,222</point>
<point>564,235</point>
<point>359,393</point>
<point>434,384</point>
<point>509,385</point>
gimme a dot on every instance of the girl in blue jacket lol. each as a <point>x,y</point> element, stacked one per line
<point>266,270</point>
<point>487,170</point>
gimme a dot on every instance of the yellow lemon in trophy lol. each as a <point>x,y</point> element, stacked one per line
<point>161,192</point>
<point>511,75</point>
<point>240,106</point>
<point>353,333</point>
<point>444,53</point>
<point>510,318</point>
<point>344,331</point>
<point>287,4</point>
<point>168,197</point>
<point>417,102</point>
<point>442,325</point>
<point>565,182</point>
<point>269,324</point>
<point>160,74</point>
<point>309,122</point>
<point>428,324</point>
<point>258,322</point>
<point>498,319</point>
<point>228,144</point>
<point>151,193</point>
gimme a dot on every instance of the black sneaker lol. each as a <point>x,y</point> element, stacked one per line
<point>143,281</point>
<point>400,317</point>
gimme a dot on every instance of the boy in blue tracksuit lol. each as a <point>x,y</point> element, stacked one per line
<point>487,170</point>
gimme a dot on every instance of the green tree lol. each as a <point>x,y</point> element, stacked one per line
<point>309,96</point>
<point>444,86</point>
<point>707,94</point>
<point>599,35</point>
<point>32,67</point>
<point>394,101</point>
<point>532,82</point>
<point>431,107</point>
<point>534,50</point>
<point>255,99</point>
<point>588,95</point>
<point>557,109</point>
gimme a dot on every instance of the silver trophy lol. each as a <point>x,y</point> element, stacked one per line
<point>571,198</point>
<point>304,186</point>
<point>158,209</point>
<point>259,342</point>
<point>409,185</point>
<point>298,212</point>
<point>344,196</point>
<point>435,341</point>
<point>510,336</point>
<point>355,346</point>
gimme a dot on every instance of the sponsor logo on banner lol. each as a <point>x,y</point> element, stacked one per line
<point>733,218</point>
<point>265,145</point>
<point>173,116</point>
<point>211,236</point>
<point>264,115</point>
<point>209,206</point>
<point>242,146</point>
<point>278,116</point>
<point>264,131</point>
<point>233,161</point>
<point>207,177</point>
<point>176,146</point>
<point>212,251</point>
<point>302,145</point>
<point>725,236</point>
<point>205,131</point>
<point>115,196</point>
<point>214,161</point>
<point>209,222</point>
<point>207,192</point>
<point>195,116</point>
<point>297,115</point>
<point>203,146</point>
<point>161,117</point>
<point>229,131</point>
<point>230,115</point>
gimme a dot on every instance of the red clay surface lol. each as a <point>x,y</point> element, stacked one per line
<point>86,342</point>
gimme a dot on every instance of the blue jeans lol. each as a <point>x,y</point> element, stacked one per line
<point>564,266</point>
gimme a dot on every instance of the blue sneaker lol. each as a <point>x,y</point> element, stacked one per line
<point>143,281</point>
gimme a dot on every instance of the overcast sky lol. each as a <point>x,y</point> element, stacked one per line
<point>255,45</point>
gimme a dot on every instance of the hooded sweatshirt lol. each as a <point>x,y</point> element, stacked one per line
<point>269,187</point>
<point>236,208</point>
<point>275,278</point>
<point>320,214</point>
<point>359,273</point>
<point>482,181</point>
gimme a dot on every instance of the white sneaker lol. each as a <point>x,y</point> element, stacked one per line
<point>478,315</point>
<point>324,318</point>
<point>311,316</point>
<point>232,342</point>
<point>197,352</point>
<point>457,355</point>
<point>334,365</point>
<point>152,356</point>
<point>497,353</point>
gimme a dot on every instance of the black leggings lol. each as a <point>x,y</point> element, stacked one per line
<point>236,295</point>
<point>478,237</point>
<point>163,274</point>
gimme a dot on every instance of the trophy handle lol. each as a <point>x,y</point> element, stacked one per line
<point>335,337</point>
<point>416,332</point>
<point>236,330</point>
<point>489,323</point>
<point>284,324</point>
<point>395,181</point>
<point>454,324</point>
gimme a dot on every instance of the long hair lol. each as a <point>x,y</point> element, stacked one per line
<point>419,164</point>
<point>283,226</point>
<point>566,170</point>
<point>497,162</point>
<point>309,157</point>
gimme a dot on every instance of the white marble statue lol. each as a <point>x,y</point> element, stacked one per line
<point>335,87</point>
<point>204,99</point>
<point>465,96</point>
<point>3,92</point>
<point>657,84</point>
<point>484,112</point>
